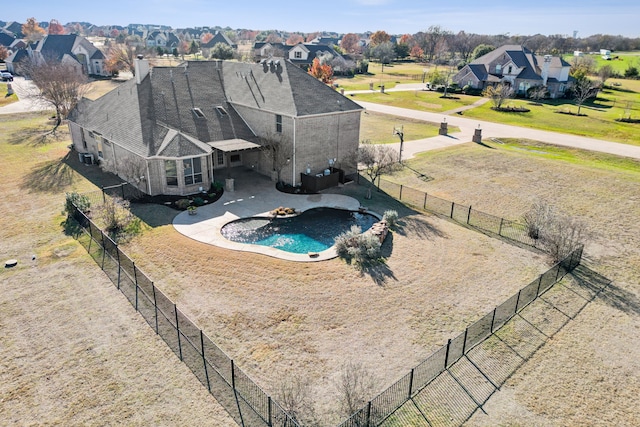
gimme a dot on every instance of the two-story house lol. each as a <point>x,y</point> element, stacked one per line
<point>172,130</point>
<point>519,67</point>
<point>70,49</point>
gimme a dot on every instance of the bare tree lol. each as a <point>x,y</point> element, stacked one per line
<point>583,89</point>
<point>538,92</point>
<point>558,234</point>
<point>278,151</point>
<point>499,94</point>
<point>356,386</point>
<point>377,159</point>
<point>605,72</point>
<point>58,85</point>
<point>294,395</point>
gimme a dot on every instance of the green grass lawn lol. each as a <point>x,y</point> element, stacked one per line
<point>418,100</point>
<point>392,75</point>
<point>378,128</point>
<point>4,98</point>
<point>598,120</point>
<point>619,65</point>
<point>621,98</point>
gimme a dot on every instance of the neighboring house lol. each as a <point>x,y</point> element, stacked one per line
<point>164,39</point>
<point>263,50</point>
<point>301,54</point>
<point>15,60</point>
<point>70,49</point>
<point>217,38</point>
<point>172,130</point>
<point>519,67</point>
<point>14,28</point>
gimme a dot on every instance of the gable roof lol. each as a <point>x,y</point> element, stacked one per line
<point>218,38</point>
<point>6,39</point>
<point>158,117</point>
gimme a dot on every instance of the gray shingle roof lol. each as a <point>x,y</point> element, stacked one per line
<point>157,116</point>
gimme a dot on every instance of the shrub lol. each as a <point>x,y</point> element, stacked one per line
<point>183,203</point>
<point>198,201</point>
<point>357,247</point>
<point>78,200</point>
<point>117,220</point>
<point>391,216</point>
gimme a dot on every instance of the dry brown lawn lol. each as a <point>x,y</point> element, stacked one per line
<point>73,351</point>
<point>588,373</point>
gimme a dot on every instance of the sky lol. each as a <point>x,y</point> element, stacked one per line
<point>587,17</point>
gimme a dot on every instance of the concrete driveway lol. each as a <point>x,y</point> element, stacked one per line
<point>23,88</point>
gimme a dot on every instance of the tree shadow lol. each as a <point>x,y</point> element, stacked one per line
<point>33,136</point>
<point>418,226</point>
<point>606,291</point>
<point>379,272</point>
<point>153,215</point>
<point>48,177</point>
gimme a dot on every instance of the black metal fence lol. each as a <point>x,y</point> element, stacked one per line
<point>508,229</point>
<point>243,399</point>
<point>383,405</point>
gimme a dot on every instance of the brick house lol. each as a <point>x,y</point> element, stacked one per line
<point>519,67</point>
<point>173,130</point>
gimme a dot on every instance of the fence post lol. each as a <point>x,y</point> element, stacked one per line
<point>204,361</point>
<point>446,356</point>
<point>135,282</point>
<point>424,205</point>
<point>155,305</point>
<point>469,215</point>
<point>500,229</point>
<point>233,376</point>
<point>517,301</point>
<point>410,384</point>
<point>539,284</point>
<point>104,198</point>
<point>368,414</point>
<point>104,251</point>
<point>493,318</point>
<point>400,198</point>
<point>175,310</point>
<point>269,411</point>
<point>464,342</point>
<point>452,206</point>
<point>119,267</point>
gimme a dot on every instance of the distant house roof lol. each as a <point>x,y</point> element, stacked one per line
<point>313,51</point>
<point>219,38</point>
<point>15,28</point>
<point>6,39</point>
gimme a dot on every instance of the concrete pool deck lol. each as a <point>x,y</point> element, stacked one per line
<point>255,195</point>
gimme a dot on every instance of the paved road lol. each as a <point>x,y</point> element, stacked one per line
<point>25,103</point>
<point>489,130</point>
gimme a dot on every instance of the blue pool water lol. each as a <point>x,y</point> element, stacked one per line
<point>312,231</point>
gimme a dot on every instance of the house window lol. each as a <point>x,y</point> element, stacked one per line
<point>192,171</point>
<point>171,172</point>
<point>235,158</point>
<point>297,54</point>
<point>278,123</point>
<point>509,70</point>
<point>220,158</point>
<point>100,154</point>
<point>84,139</point>
<point>498,68</point>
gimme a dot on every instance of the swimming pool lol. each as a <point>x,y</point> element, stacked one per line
<point>312,231</point>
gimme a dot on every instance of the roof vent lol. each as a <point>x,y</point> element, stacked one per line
<point>198,113</point>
